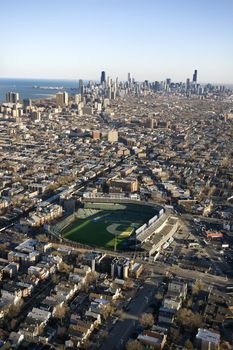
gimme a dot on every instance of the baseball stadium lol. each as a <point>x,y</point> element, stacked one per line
<point>108,225</point>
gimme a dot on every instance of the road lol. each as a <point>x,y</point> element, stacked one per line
<point>192,275</point>
<point>123,328</point>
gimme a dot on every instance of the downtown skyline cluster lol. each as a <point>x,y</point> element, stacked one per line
<point>112,88</point>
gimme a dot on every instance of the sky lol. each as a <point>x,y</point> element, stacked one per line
<point>152,39</point>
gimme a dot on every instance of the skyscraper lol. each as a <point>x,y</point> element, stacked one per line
<point>62,99</point>
<point>195,76</point>
<point>129,78</point>
<point>81,87</point>
<point>102,78</point>
<point>12,97</point>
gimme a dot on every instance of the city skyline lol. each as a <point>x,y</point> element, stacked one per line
<point>154,41</point>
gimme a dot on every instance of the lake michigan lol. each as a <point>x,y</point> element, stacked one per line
<point>26,87</point>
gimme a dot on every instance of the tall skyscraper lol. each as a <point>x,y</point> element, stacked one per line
<point>195,76</point>
<point>62,99</point>
<point>81,87</point>
<point>129,78</point>
<point>12,97</point>
<point>103,77</point>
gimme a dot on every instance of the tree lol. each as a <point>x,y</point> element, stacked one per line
<point>61,311</point>
<point>15,309</point>
<point>42,237</point>
<point>196,287</point>
<point>107,310</point>
<point>188,345</point>
<point>146,320</point>
<point>226,346</point>
<point>134,345</point>
<point>91,277</point>
<point>55,278</point>
<point>189,319</point>
<point>65,267</point>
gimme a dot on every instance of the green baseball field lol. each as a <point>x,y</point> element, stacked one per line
<point>104,228</point>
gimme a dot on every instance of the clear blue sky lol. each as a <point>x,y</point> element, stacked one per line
<point>152,39</point>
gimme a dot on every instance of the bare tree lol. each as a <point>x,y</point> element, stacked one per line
<point>107,310</point>
<point>196,287</point>
<point>65,267</point>
<point>60,312</point>
<point>134,345</point>
<point>14,310</point>
<point>146,320</point>
<point>188,318</point>
<point>91,277</point>
<point>42,237</point>
<point>188,345</point>
<point>226,346</point>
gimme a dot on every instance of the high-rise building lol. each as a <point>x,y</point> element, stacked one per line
<point>103,77</point>
<point>12,97</point>
<point>129,78</point>
<point>77,98</point>
<point>62,99</point>
<point>108,82</point>
<point>109,92</point>
<point>81,87</point>
<point>195,76</point>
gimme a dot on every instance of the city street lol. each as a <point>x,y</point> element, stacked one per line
<point>123,328</point>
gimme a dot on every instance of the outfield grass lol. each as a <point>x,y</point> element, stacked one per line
<point>93,233</point>
<point>93,230</point>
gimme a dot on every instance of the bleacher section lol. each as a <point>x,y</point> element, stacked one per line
<point>161,235</point>
<point>149,231</point>
<point>86,213</point>
<point>61,225</point>
<point>104,206</point>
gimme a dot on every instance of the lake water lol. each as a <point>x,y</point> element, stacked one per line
<point>25,87</point>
